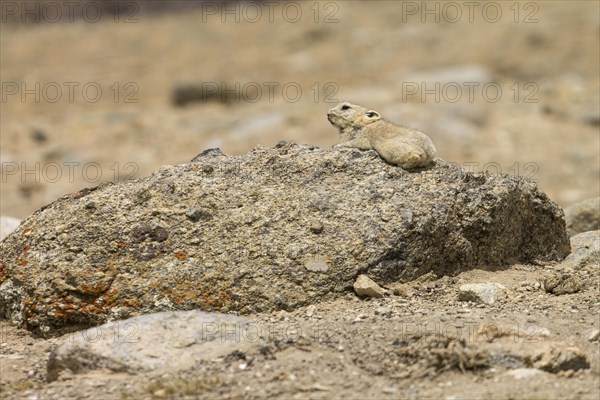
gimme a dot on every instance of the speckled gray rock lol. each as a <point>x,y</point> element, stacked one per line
<point>166,341</point>
<point>239,234</point>
<point>583,216</point>
<point>585,250</point>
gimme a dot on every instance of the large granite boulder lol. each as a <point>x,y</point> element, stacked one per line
<point>272,229</point>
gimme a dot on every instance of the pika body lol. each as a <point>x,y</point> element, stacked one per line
<point>365,129</point>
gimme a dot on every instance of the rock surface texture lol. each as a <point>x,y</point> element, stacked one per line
<point>585,250</point>
<point>272,229</point>
<point>583,216</point>
<point>479,292</point>
<point>166,341</point>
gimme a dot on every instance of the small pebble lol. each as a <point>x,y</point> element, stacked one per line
<point>366,287</point>
<point>361,317</point>
<point>383,310</point>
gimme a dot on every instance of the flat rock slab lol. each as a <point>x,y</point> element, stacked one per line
<point>166,341</point>
<point>272,229</point>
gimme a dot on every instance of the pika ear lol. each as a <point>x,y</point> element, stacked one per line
<point>373,115</point>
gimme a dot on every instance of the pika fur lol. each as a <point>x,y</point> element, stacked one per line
<point>364,129</point>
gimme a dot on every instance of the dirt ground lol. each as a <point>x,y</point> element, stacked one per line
<point>544,57</point>
<point>418,343</point>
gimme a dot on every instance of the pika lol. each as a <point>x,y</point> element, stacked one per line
<point>364,129</point>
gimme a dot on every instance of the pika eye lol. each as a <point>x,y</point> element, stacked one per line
<point>345,107</point>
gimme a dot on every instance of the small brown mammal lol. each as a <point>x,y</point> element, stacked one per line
<point>364,129</point>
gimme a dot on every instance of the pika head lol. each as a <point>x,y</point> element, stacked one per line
<point>348,116</point>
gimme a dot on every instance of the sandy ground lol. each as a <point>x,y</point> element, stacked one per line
<point>418,343</point>
<point>544,125</point>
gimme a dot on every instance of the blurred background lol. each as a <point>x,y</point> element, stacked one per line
<point>96,91</point>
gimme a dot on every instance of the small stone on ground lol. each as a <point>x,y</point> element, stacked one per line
<point>366,287</point>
